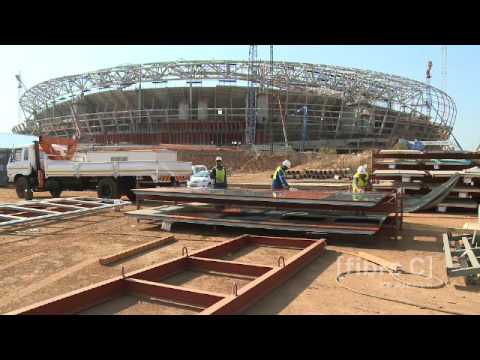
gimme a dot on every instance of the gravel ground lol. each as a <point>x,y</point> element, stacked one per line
<point>49,260</point>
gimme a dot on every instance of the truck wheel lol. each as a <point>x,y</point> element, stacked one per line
<point>108,189</point>
<point>131,195</point>
<point>126,186</point>
<point>56,193</point>
<point>54,188</point>
<point>23,188</point>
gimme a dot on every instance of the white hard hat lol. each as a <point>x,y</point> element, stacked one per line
<point>287,164</point>
<point>362,170</point>
<point>219,158</point>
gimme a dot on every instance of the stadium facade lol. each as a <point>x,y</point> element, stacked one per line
<point>206,102</point>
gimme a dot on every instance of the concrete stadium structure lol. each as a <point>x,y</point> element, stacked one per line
<point>205,102</point>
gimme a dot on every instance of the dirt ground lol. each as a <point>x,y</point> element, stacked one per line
<point>48,260</point>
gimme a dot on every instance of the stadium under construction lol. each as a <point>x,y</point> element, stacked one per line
<point>209,102</point>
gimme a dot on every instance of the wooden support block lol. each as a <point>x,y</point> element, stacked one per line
<point>379,261</point>
<point>448,254</point>
<point>471,226</point>
<point>136,250</point>
<point>374,259</point>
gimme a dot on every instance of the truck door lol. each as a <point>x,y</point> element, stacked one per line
<point>19,163</point>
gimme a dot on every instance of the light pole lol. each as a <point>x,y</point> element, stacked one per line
<point>304,129</point>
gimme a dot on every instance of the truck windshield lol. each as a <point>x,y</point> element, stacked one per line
<point>17,155</point>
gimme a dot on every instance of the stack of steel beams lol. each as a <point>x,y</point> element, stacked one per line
<point>320,213</point>
<point>418,172</point>
<point>301,199</point>
<point>311,223</point>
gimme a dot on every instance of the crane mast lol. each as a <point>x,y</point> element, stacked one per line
<point>250,129</point>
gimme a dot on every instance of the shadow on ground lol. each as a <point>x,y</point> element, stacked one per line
<point>428,239</point>
<point>281,297</point>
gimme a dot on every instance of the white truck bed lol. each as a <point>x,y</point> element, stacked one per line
<point>154,169</point>
<point>108,156</point>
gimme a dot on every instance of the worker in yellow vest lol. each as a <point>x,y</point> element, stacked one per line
<point>279,179</point>
<point>219,175</point>
<point>361,180</point>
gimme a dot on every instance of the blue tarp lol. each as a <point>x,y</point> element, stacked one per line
<point>416,145</point>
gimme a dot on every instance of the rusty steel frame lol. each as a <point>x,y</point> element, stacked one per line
<point>147,281</point>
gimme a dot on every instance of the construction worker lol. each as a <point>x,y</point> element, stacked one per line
<point>219,175</point>
<point>279,179</point>
<point>361,180</point>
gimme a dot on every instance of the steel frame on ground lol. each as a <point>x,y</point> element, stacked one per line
<point>462,254</point>
<point>30,212</point>
<point>147,281</point>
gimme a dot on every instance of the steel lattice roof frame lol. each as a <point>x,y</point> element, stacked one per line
<point>352,85</point>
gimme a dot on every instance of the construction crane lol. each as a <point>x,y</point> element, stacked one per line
<point>444,68</point>
<point>429,85</point>
<point>444,86</point>
<point>270,85</point>
<point>250,129</point>
<point>21,90</point>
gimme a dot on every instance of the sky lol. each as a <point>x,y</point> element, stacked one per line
<point>37,63</point>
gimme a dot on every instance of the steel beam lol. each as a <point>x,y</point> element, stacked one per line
<point>174,293</point>
<point>78,300</point>
<point>227,267</point>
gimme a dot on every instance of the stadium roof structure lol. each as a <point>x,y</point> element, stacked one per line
<point>354,86</point>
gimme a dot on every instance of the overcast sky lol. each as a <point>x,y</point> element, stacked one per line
<point>39,63</point>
